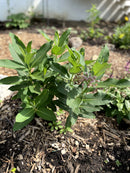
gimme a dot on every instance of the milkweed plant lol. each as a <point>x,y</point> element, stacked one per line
<point>57,77</point>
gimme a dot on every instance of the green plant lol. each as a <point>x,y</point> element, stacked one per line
<point>13,170</point>
<point>119,107</point>
<point>93,16</point>
<point>121,37</point>
<point>55,125</point>
<point>19,20</point>
<point>43,83</point>
<point>118,163</point>
<point>93,19</point>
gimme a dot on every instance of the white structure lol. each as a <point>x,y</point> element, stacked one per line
<point>110,10</point>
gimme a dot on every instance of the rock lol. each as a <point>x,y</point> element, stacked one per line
<point>95,57</point>
<point>4,91</point>
<point>111,46</point>
<point>20,157</point>
<point>63,151</point>
<point>75,42</point>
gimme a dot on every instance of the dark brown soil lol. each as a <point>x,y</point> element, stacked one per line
<point>95,146</point>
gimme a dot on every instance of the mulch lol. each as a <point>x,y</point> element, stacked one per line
<point>95,146</point>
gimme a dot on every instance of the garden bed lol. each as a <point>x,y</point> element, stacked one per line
<point>98,145</point>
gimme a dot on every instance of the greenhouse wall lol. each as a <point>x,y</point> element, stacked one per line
<point>65,9</point>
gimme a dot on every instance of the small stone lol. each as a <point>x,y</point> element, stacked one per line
<point>88,148</point>
<point>75,42</point>
<point>18,169</point>
<point>111,157</point>
<point>95,57</point>
<point>76,143</point>
<point>63,151</point>
<point>20,157</point>
<point>113,168</point>
<point>127,148</point>
<point>111,46</point>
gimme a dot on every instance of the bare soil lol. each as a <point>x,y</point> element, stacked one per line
<point>95,146</point>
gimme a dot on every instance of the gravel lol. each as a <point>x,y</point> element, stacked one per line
<point>4,91</point>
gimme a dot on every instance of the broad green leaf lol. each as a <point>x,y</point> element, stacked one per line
<point>44,35</point>
<point>56,38</point>
<point>14,54</point>
<point>95,99</point>
<point>111,82</point>
<point>61,105</point>
<point>59,68</point>
<point>82,51</point>
<point>42,98</point>
<point>127,104</point>
<point>85,114</point>
<point>33,89</point>
<point>29,58</point>
<point>37,76</point>
<point>46,114</point>
<point>99,69</point>
<point>87,62</point>
<point>64,38</point>
<point>71,119</point>
<point>18,46</point>
<point>104,55</point>
<point>19,86</point>
<point>41,53</point>
<point>89,108</point>
<point>64,57</point>
<point>74,104</point>
<point>10,80</point>
<point>10,64</point>
<point>29,47</point>
<point>75,70</point>
<point>23,118</point>
<point>17,41</point>
<point>56,50</point>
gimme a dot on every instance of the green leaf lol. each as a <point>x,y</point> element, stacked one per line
<point>10,64</point>
<point>71,119</point>
<point>42,98</point>
<point>89,108</point>
<point>104,55</point>
<point>37,76</point>
<point>18,46</point>
<point>64,57</point>
<point>23,118</point>
<point>64,37</point>
<point>41,53</point>
<point>20,86</point>
<point>87,62</point>
<point>74,104</point>
<point>59,68</point>
<point>14,54</point>
<point>95,99</point>
<point>75,70</point>
<point>56,38</point>
<point>10,80</point>
<point>33,89</point>
<point>127,104</point>
<point>16,40</point>
<point>46,114</point>
<point>85,114</point>
<point>111,82</point>
<point>44,35</point>
<point>99,69</point>
<point>56,50</point>
<point>29,47</point>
